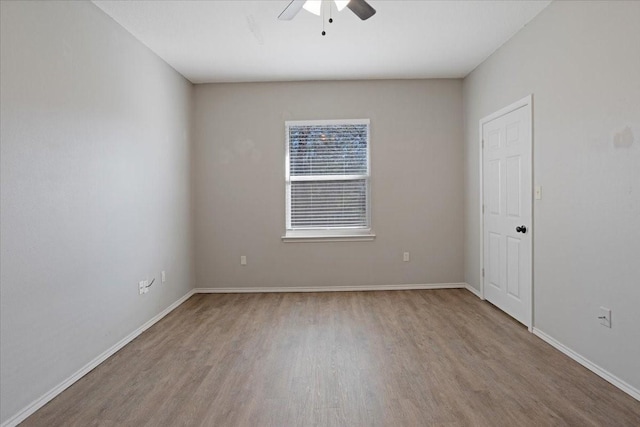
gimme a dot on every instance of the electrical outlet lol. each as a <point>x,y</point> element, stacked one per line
<point>605,317</point>
<point>405,257</point>
<point>243,260</point>
<point>141,288</point>
<point>164,277</point>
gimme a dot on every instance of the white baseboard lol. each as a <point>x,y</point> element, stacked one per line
<point>271,289</point>
<point>473,290</point>
<point>622,385</point>
<point>40,402</point>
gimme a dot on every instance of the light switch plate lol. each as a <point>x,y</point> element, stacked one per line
<point>538,192</point>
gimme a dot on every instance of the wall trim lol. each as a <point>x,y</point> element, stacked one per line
<point>40,402</point>
<point>473,290</point>
<point>43,400</point>
<point>603,373</point>
<point>273,289</point>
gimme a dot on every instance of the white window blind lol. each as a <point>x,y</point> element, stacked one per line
<point>327,175</point>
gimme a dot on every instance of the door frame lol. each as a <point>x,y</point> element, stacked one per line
<point>527,101</point>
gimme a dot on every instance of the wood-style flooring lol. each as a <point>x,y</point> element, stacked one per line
<point>398,358</point>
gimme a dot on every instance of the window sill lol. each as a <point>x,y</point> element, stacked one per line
<point>319,238</point>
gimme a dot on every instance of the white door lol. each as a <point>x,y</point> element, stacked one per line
<point>507,192</point>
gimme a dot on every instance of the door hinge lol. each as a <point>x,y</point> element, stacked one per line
<point>483,143</point>
<point>482,208</point>
<point>483,272</point>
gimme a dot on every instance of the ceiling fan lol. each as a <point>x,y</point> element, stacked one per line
<point>360,7</point>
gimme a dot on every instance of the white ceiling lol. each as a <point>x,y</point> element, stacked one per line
<point>236,40</point>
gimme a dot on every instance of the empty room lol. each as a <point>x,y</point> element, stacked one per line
<point>319,213</point>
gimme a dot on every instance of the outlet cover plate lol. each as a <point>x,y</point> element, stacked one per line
<point>605,317</point>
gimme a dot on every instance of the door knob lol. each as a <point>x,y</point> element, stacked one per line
<point>522,229</point>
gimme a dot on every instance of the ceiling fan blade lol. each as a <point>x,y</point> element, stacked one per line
<point>361,8</point>
<point>291,10</point>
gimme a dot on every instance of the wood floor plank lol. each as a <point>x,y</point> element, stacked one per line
<point>393,358</point>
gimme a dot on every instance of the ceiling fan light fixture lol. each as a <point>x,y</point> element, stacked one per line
<point>313,6</point>
<point>341,4</point>
<point>361,8</point>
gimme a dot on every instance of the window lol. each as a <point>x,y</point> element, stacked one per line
<point>327,180</point>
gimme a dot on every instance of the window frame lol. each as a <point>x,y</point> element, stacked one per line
<point>326,234</point>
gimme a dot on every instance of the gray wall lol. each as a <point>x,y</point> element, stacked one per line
<point>95,190</point>
<point>417,183</point>
<point>581,61</point>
